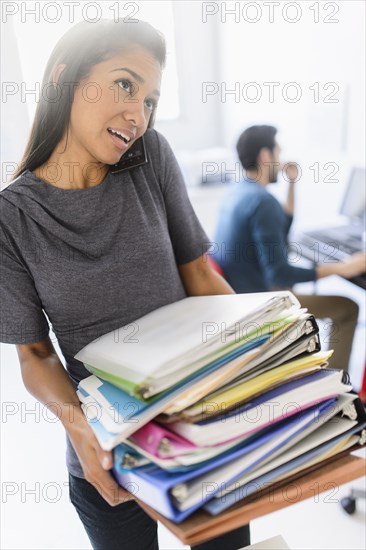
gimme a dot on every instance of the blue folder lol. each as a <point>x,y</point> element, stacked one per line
<point>129,455</point>
<point>217,505</point>
<point>152,484</point>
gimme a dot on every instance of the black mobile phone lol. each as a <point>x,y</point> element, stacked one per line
<point>135,156</point>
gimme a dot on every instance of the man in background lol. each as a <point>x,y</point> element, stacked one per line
<point>251,241</point>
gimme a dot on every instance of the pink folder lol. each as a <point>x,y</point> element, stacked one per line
<point>161,442</point>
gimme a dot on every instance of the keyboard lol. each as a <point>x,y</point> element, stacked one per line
<point>320,251</point>
<point>345,244</point>
<point>318,248</point>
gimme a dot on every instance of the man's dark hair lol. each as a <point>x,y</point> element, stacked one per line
<point>251,141</point>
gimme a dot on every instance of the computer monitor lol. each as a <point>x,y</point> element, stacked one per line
<point>354,201</point>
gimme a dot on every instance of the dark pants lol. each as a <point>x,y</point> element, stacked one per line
<point>128,527</point>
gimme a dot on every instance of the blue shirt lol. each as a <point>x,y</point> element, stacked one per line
<point>251,244</point>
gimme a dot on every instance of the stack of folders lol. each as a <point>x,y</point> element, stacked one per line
<point>214,398</point>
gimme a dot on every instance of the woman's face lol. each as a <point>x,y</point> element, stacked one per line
<point>118,96</point>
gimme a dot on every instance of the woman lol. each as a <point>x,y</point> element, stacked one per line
<point>95,246</point>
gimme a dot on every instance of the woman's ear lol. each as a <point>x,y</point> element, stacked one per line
<point>56,73</point>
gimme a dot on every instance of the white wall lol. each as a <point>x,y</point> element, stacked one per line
<point>15,123</point>
<point>198,125</point>
<point>303,52</point>
<point>217,49</point>
<point>323,53</point>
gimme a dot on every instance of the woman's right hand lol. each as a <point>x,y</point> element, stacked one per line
<point>94,461</point>
<point>46,379</point>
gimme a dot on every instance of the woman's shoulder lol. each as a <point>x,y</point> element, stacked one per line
<point>18,185</point>
<point>17,195</point>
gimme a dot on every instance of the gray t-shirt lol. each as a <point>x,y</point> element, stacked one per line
<point>94,259</point>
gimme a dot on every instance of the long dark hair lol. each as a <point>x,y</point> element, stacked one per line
<point>80,48</point>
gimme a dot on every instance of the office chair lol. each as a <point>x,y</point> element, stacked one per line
<point>215,266</point>
<point>349,503</point>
